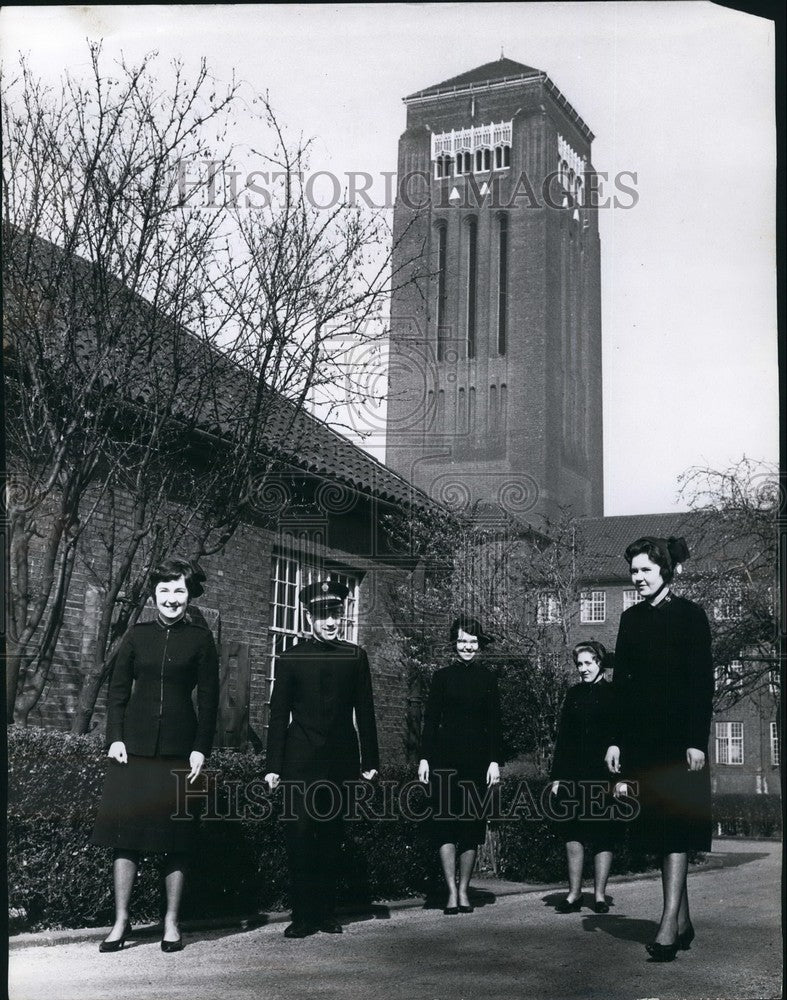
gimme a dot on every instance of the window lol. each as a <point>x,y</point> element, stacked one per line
<point>288,621</point>
<point>729,742</point>
<point>728,607</point>
<point>472,267</point>
<point>548,611</point>
<point>776,757</point>
<point>502,282</point>
<point>593,606</point>
<point>442,294</point>
<point>631,597</point>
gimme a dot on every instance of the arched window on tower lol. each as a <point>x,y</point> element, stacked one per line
<point>479,159</point>
<point>503,407</point>
<point>461,412</point>
<point>502,283</point>
<point>441,411</point>
<point>459,162</point>
<point>472,270</point>
<point>493,422</point>
<point>467,162</point>
<point>442,289</point>
<point>487,159</point>
<point>471,410</point>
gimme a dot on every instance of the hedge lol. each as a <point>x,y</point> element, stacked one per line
<point>57,879</point>
<point>738,815</point>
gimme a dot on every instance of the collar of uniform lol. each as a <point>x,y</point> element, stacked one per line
<point>185,620</point>
<point>662,598</point>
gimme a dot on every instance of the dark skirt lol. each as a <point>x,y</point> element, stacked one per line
<point>675,809</point>
<point>139,808</point>
<point>457,802</point>
<point>585,811</point>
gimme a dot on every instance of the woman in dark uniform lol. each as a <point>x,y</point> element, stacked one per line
<point>663,685</point>
<point>152,729</point>
<point>578,770</point>
<point>461,736</point>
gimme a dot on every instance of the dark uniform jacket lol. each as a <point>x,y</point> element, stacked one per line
<point>321,684</point>
<point>663,681</point>
<point>586,725</point>
<point>149,706</point>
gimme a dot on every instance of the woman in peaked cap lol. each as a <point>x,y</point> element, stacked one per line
<point>663,687</point>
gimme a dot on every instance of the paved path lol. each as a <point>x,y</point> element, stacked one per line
<point>515,947</point>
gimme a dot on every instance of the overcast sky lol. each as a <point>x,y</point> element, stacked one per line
<point>680,93</point>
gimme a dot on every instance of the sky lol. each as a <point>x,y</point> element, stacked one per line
<point>680,93</point>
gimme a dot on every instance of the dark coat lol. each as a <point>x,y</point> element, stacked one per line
<point>586,724</point>
<point>321,684</point>
<point>663,685</point>
<point>149,706</point>
<point>462,720</point>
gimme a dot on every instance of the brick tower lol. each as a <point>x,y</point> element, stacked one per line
<point>495,366</point>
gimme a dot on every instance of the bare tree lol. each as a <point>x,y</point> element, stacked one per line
<point>164,338</point>
<point>738,514</point>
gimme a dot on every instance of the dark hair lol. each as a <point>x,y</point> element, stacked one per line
<point>470,625</point>
<point>171,569</point>
<point>591,646</point>
<point>666,553</point>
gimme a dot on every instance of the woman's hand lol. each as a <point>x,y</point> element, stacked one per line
<point>369,775</point>
<point>423,772</point>
<point>612,759</point>
<point>117,751</point>
<point>196,760</point>
<point>555,786</point>
<point>272,780</point>
<point>620,789</point>
<point>493,774</point>
<point>695,759</point>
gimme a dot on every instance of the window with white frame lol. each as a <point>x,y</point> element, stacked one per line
<point>593,606</point>
<point>776,756</point>
<point>631,597</point>
<point>288,620</point>
<point>728,606</point>
<point>729,742</point>
<point>548,610</point>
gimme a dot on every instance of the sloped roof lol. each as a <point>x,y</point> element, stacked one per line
<point>491,72</point>
<point>606,538</point>
<point>210,397</point>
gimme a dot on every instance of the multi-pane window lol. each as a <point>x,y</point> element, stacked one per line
<point>776,756</point>
<point>593,606</point>
<point>288,620</point>
<point>729,742</point>
<point>631,597</point>
<point>728,606</point>
<point>548,609</point>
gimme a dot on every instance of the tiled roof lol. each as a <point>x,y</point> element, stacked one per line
<point>492,72</point>
<point>606,538</point>
<point>212,394</point>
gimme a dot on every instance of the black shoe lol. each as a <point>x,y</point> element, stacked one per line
<point>466,909</point>
<point>110,946</point>
<point>330,925</point>
<point>169,946</point>
<point>683,941</point>
<point>565,907</point>
<point>601,906</point>
<point>299,929</point>
<point>662,952</point>
<point>449,911</point>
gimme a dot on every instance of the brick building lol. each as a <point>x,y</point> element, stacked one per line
<point>495,376</point>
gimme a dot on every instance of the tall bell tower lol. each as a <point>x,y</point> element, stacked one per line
<point>495,364</point>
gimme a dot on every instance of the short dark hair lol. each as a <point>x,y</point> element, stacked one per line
<point>666,553</point>
<point>172,568</point>
<point>591,646</point>
<point>470,625</point>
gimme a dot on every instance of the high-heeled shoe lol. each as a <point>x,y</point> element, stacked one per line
<point>449,911</point>
<point>684,940</point>
<point>662,952</point>
<point>170,946</point>
<point>466,909</point>
<point>601,906</point>
<point>564,906</point>
<point>110,946</point>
